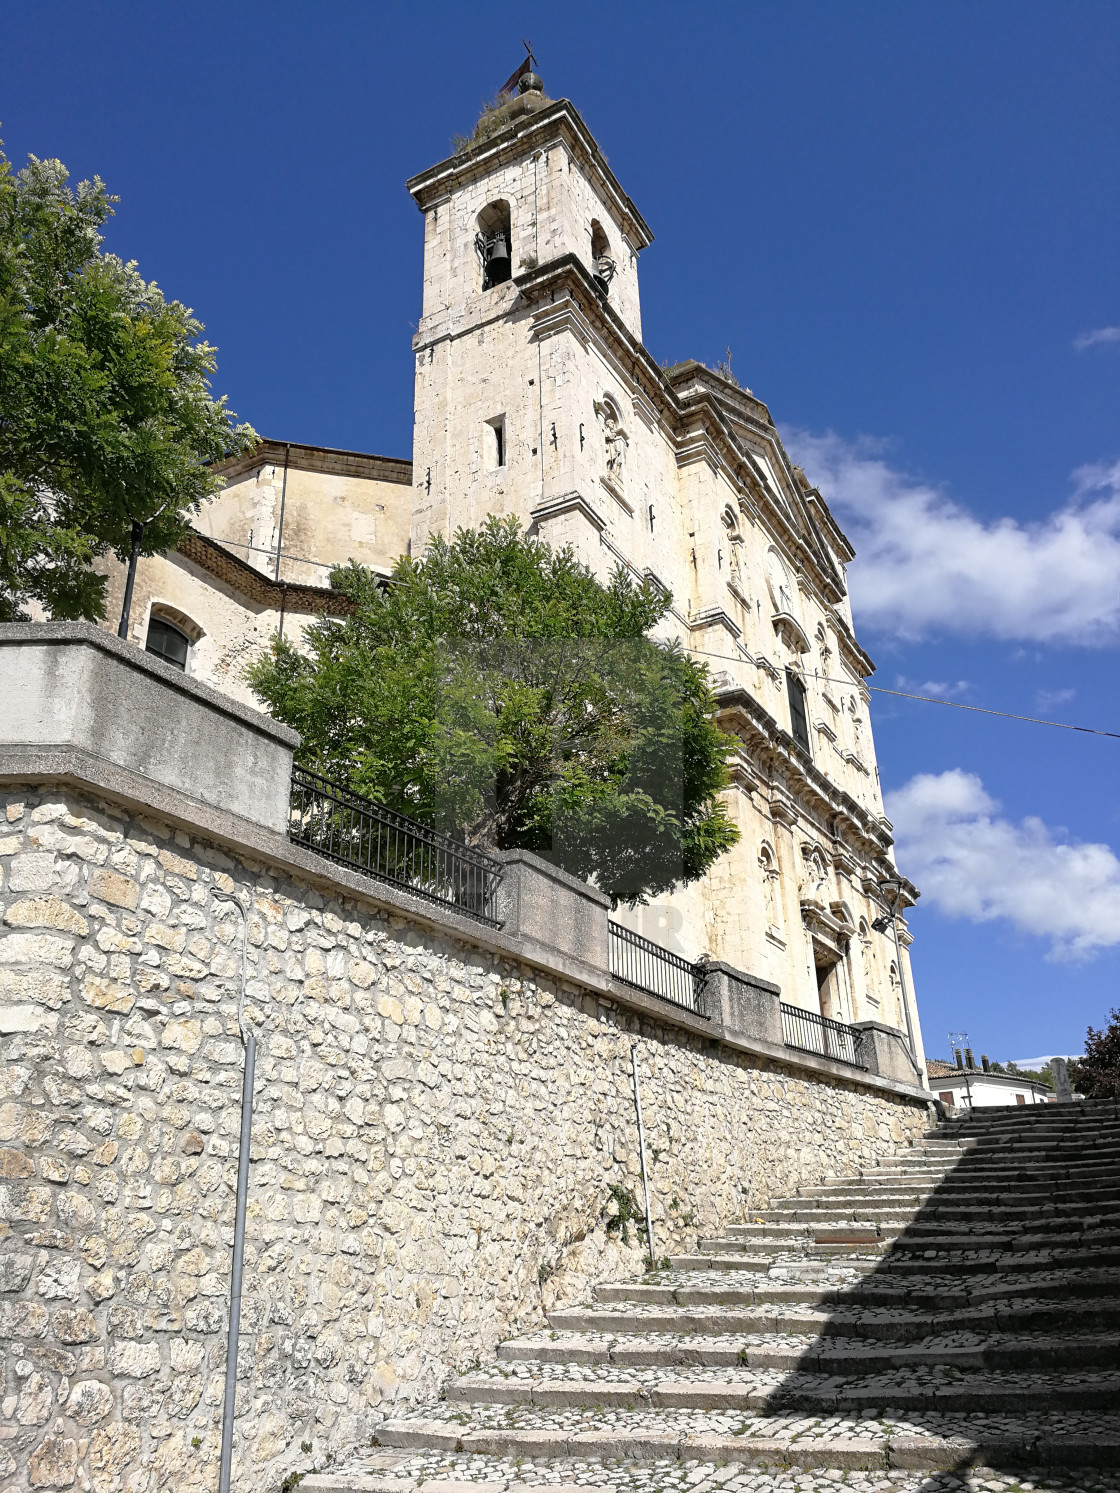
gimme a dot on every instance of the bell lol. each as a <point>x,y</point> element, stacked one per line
<point>497,262</point>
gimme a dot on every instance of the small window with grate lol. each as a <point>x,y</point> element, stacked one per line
<point>798,715</point>
<point>167,642</point>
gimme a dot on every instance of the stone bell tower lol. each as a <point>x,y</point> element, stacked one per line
<point>530,272</point>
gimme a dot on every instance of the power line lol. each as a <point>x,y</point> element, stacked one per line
<point>934,700</point>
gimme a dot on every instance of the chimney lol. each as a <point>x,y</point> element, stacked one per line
<point>984,1063</point>
<point>969,1059</point>
<point>959,1058</point>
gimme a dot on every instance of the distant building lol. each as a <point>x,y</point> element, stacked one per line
<point>974,1088</point>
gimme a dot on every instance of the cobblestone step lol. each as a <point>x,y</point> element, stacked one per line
<point>875,1191</point>
<point>853,1242</point>
<point>457,1472</point>
<point>944,1291</point>
<point>850,1320</point>
<point>803,1221</point>
<point>1044,1352</point>
<point>913,1386</point>
<point>963,1259</point>
<point>916,1238</point>
<point>973,1208</point>
<point>920,1441</point>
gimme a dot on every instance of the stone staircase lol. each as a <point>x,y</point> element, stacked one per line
<point>956,1307</point>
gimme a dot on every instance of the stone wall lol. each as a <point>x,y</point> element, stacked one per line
<point>437,1132</point>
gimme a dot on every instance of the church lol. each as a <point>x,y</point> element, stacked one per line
<point>536,397</point>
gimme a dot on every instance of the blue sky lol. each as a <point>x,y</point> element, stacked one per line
<point>901,218</point>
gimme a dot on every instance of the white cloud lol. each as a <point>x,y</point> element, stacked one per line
<point>926,564</point>
<point>971,863</point>
<point>1096,338</point>
<point>1048,700</point>
<point>939,689</point>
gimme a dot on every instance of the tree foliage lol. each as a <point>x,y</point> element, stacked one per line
<point>106,417</point>
<point>1097,1074</point>
<point>496,690</point>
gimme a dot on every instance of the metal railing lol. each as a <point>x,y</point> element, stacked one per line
<point>647,966</point>
<point>811,1032</point>
<point>363,834</point>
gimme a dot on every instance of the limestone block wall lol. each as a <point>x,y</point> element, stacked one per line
<point>437,1131</point>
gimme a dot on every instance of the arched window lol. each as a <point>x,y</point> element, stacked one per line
<point>170,635</point>
<point>493,243</point>
<point>604,267</point>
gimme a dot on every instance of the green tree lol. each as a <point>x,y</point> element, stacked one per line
<point>1097,1074</point>
<point>494,689</point>
<point>106,418</point>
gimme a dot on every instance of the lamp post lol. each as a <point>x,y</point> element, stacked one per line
<point>892,893</point>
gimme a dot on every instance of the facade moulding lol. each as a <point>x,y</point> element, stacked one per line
<point>557,317</point>
<point>254,585</point>
<point>698,419</point>
<point>569,502</point>
<point>557,124</point>
<point>715,617</point>
<point>500,302</point>
<point>859,663</point>
<point>836,816</point>
<point>837,538</point>
<point>329,459</point>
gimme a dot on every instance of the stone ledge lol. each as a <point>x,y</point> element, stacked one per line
<point>86,772</point>
<point>85,633</point>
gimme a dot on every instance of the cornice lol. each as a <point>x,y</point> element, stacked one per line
<point>329,459</point>
<point>556,123</point>
<point>247,581</point>
<point>847,820</point>
<point>698,424</point>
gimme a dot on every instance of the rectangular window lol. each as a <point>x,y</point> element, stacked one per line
<point>798,716</point>
<point>495,438</point>
<point>1020,1098</point>
<point>948,1100</point>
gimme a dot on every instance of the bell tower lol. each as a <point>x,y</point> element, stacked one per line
<point>530,271</point>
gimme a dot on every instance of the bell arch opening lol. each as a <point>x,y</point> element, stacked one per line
<point>493,242</point>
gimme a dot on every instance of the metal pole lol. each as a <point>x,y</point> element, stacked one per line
<point>642,1151</point>
<point>283,502</point>
<point>249,1041</point>
<point>229,1406</point>
<point>130,578</point>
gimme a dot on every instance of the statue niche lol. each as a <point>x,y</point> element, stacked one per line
<point>615,441</point>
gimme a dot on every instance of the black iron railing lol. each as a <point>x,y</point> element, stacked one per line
<point>647,966</point>
<point>363,834</point>
<point>811,1032</point>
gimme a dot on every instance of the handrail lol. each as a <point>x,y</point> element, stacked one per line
<point>809,1031</point>
<point>647,966</point>
<point>359,832</point>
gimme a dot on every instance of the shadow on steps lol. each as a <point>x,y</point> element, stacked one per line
<point>997,1300</point>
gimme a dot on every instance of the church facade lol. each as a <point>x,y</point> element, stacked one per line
<point>536,397</point>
